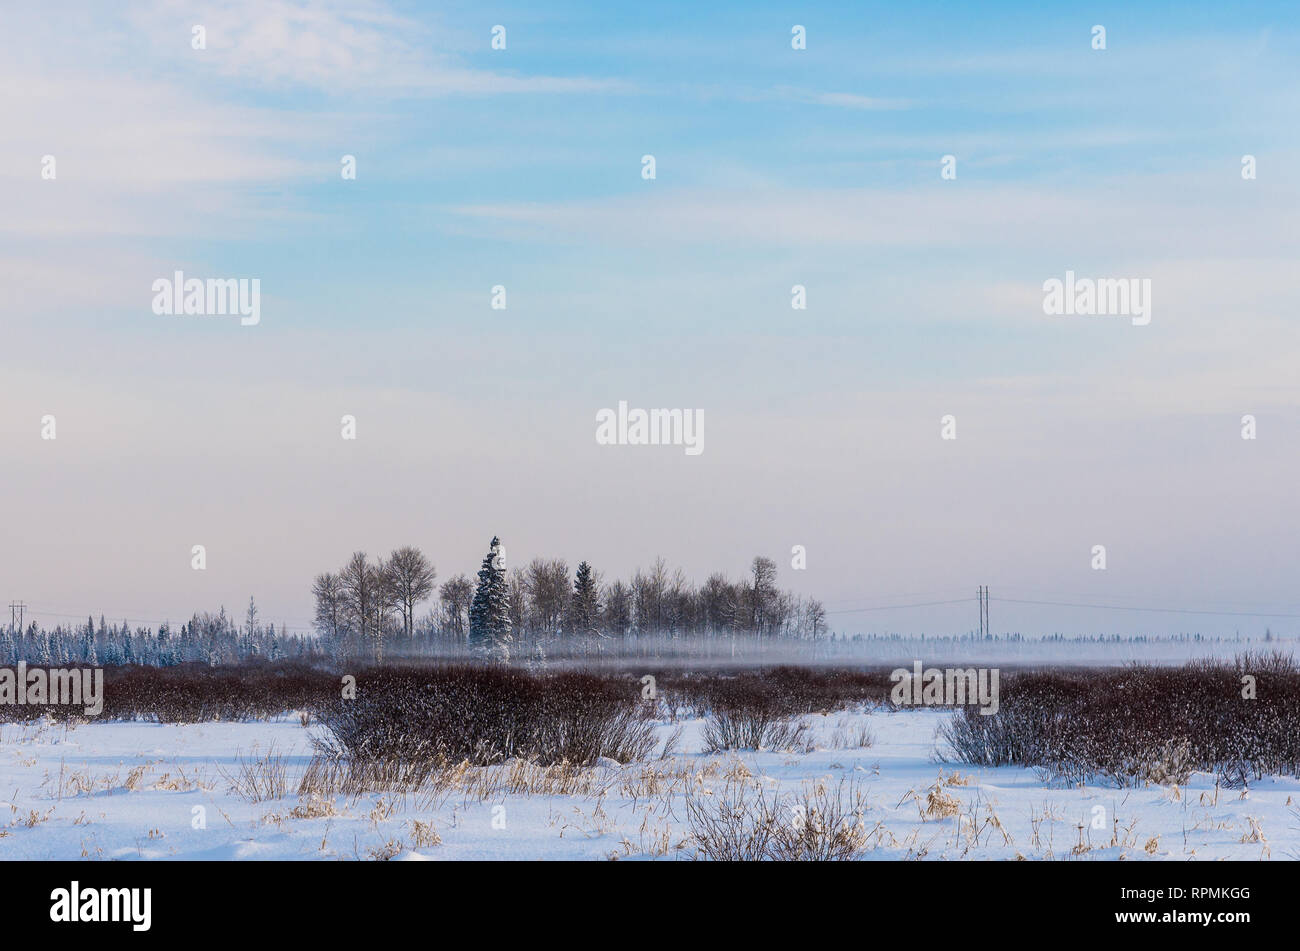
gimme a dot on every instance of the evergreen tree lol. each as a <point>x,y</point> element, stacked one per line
<point>585,606</point>
<point>489,612</point>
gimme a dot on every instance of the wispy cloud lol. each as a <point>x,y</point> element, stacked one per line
<point>337,47</point>
<point>844,100</point>
<point>1154,217</point>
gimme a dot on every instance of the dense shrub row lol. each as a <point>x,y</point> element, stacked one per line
<point>779,691</point>
<point>190,693</point>
<point>260,689</point>
<point>756,709</point>
<point>1138,725</point>
<point>1128,725</point>
<point>485,715</point>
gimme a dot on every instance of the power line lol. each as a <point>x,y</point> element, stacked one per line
<point>1071,595</point>
<point>897,607</point>
<point>1125,607</point>
<point>886,597</point>
<point>983,598</point>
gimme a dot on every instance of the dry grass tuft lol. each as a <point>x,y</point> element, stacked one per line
<point>382,853</point>
<point>259,780</point>
<point>424,835</point>
<point>314,808</point>
<point>135,778</point>
<point>939,804</point>
<point>744,821</point>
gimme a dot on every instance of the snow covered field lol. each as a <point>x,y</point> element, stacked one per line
<point>149,791</point>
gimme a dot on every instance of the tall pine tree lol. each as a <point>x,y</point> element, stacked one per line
<point>489,612</point>
<point>585,606</point>
<point>88,653</point>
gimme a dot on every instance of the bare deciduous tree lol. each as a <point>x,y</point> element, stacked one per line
<point>547,585</point>
<point>517,601</point>
<point>762,594</point>
<point>410,578</point>
<point>456,595</point>
<point>361,597</point>
<point>329,604</point>
<point>618,609</point>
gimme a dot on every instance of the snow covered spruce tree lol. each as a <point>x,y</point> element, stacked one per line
<point>489,612</point>
<point>584,607</point>
<point>88,653</point>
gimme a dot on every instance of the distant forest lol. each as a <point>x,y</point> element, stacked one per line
<point>376,603</point>
<point>394,605</point>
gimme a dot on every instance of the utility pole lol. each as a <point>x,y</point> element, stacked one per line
<point>16,609</point>
<point>982,596</point>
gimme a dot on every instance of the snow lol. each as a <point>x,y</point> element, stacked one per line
<point>67,792</point>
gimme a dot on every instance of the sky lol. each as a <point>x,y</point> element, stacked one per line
<point>522,167</point>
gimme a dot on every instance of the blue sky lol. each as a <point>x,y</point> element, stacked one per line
<point>775,167</point>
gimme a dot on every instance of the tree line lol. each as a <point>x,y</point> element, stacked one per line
<point>395,604</point>
<point>206,638</point>
<point>375,602</point>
